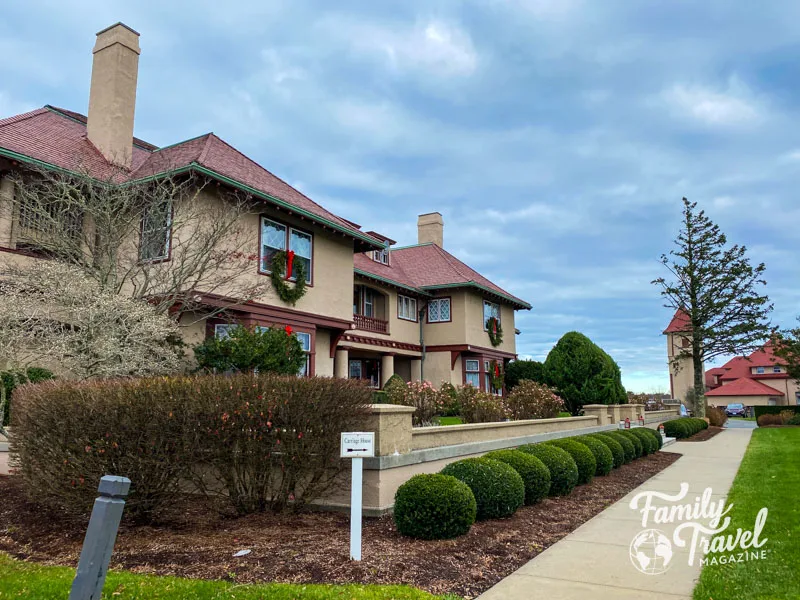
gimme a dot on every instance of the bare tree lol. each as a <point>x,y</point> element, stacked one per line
<point>166,238</point>
<point>52,313</point>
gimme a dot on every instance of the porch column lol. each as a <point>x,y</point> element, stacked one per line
<point>387,368</point>
<point>341,363</point>
<point>416,369</point>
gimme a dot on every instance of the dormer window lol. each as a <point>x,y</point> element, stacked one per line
<point>760,370</point>
<point>381,256</point>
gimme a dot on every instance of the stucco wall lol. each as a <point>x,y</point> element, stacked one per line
<point>682,372</point>
<point>323,363</point>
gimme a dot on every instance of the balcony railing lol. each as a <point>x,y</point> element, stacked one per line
<point>371,324</point>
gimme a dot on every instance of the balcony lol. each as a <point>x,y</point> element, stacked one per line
<point>371,324</point>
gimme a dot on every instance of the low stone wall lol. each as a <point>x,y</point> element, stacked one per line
<point>659,416</point>
<point>403,451</point>
<point>434,437</point>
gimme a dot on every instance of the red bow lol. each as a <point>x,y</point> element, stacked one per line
<point>496,370</point>
<point>289,261</point>
<point>288,330</point>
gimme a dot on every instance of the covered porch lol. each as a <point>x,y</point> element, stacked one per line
<point>361,358</point>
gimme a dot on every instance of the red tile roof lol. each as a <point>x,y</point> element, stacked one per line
<point>428,267</point>
<point>740,366</point>
<point>744,386</point>
<point>680,323</point>
<point>58,137</point>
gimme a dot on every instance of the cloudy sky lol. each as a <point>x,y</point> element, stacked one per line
<point>556,137</point>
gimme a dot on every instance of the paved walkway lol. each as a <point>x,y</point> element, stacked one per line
<point>594,563</point>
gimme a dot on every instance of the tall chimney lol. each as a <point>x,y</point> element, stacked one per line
<point>430,229</point>
<point>112,97</point>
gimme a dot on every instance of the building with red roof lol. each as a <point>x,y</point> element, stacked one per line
<point>757,379</point>
<point>417,311</point>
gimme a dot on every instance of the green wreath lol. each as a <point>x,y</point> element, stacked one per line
<point>287,293</point>
<point>495,331</point>
<point>498,381</point>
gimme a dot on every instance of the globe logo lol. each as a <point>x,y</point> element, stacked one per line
<point>651,552</point>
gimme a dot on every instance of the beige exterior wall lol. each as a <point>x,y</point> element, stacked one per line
<point>400,330</point>
<point>681,371</point>
<point>323,363</point>
<point>436,369</point>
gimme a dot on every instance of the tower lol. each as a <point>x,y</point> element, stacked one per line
<point>679,345</point>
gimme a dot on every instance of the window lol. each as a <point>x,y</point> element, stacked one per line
<point>406,308</point>
<point>381,256</point>
<point>276,237</point>
<point>369,303</point>
<point>156,232</point>
<point>490,309</point>
<point>472,375</point>
<point>776,369</point>
<point>305,342</point>
<point>355,369</point>
<point>222,330</point>
<point>760,370</point>
<point>439,310</point>
<point>487,378</point>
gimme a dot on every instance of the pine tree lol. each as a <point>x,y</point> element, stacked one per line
<point>717,287</point>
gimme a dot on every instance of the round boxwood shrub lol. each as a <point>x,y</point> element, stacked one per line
<point>617,451</point>
<point>656,435</point>
<point>680,428</point>
<point>562,467</point>
<point>627,445</point>
<point>583,457</point>
<point>648,443</point>
<point>498,489</point>
<point>602,454</point>
<point>434,507</point>
<point>637,444</point>
<point>533,471</point>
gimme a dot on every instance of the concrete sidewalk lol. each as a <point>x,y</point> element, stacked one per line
<point>594,562</point>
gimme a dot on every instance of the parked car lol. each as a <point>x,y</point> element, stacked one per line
<point>735,410</point>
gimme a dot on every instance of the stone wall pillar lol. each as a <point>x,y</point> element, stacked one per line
<point>615,413</point>
<point>341,363</point>
<point>392,426</point>
<point>597,410</point>
<point>387,368</point>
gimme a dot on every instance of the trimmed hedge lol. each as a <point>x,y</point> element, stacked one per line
<point>655,435</point>
<point>616,449</point>
<point>499,490</point>
<point>602,454</point>
<point>649,444</point>
<point>773,410</point>
<point>562,467</point>
<point>627,445</point>
<point>533,471</point>
<point>637,444</point>
<point>583,457</point>
<point>434,507</point>
<point>684,427</point>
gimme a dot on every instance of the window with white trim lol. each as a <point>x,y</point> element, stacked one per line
<point>472,373</point>
<point>156,232</point>
<point>490,309</point>
<point>439,310</point>
<point>276,237</point>
<point>760,370</point>
<point>305,342</point>
<point>381,256</point>
<point>406,308</point>
<point>223,330</point>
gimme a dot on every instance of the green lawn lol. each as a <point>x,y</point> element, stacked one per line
<point>742,418</point>
<point>768,477</point>
<point>26,580</point>
<point>450,421</point>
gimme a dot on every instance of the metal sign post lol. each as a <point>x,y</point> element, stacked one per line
<point>357,445</point>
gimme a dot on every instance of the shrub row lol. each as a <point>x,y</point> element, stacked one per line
<point>437,506</point>
<point>785,417</point>
<point>251,442</point>
<point>773,410</point>
<point>684,427</point>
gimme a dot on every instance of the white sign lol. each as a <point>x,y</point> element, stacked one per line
<point>358,444</point>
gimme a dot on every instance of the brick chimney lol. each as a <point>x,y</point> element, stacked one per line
<point>112,97</point>
<point>430,229</point>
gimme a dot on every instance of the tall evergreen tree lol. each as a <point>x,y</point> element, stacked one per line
<point>788,348</point>
<point>717,287</point>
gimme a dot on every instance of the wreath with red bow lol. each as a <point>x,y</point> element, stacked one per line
<point>497,376</point>
<point>281,267</point>
<point>495,331</point>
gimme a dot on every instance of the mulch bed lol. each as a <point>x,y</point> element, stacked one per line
<point>313,547</point>
<point>704,434</point>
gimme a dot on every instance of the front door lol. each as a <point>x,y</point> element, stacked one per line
<point>366,369</point>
